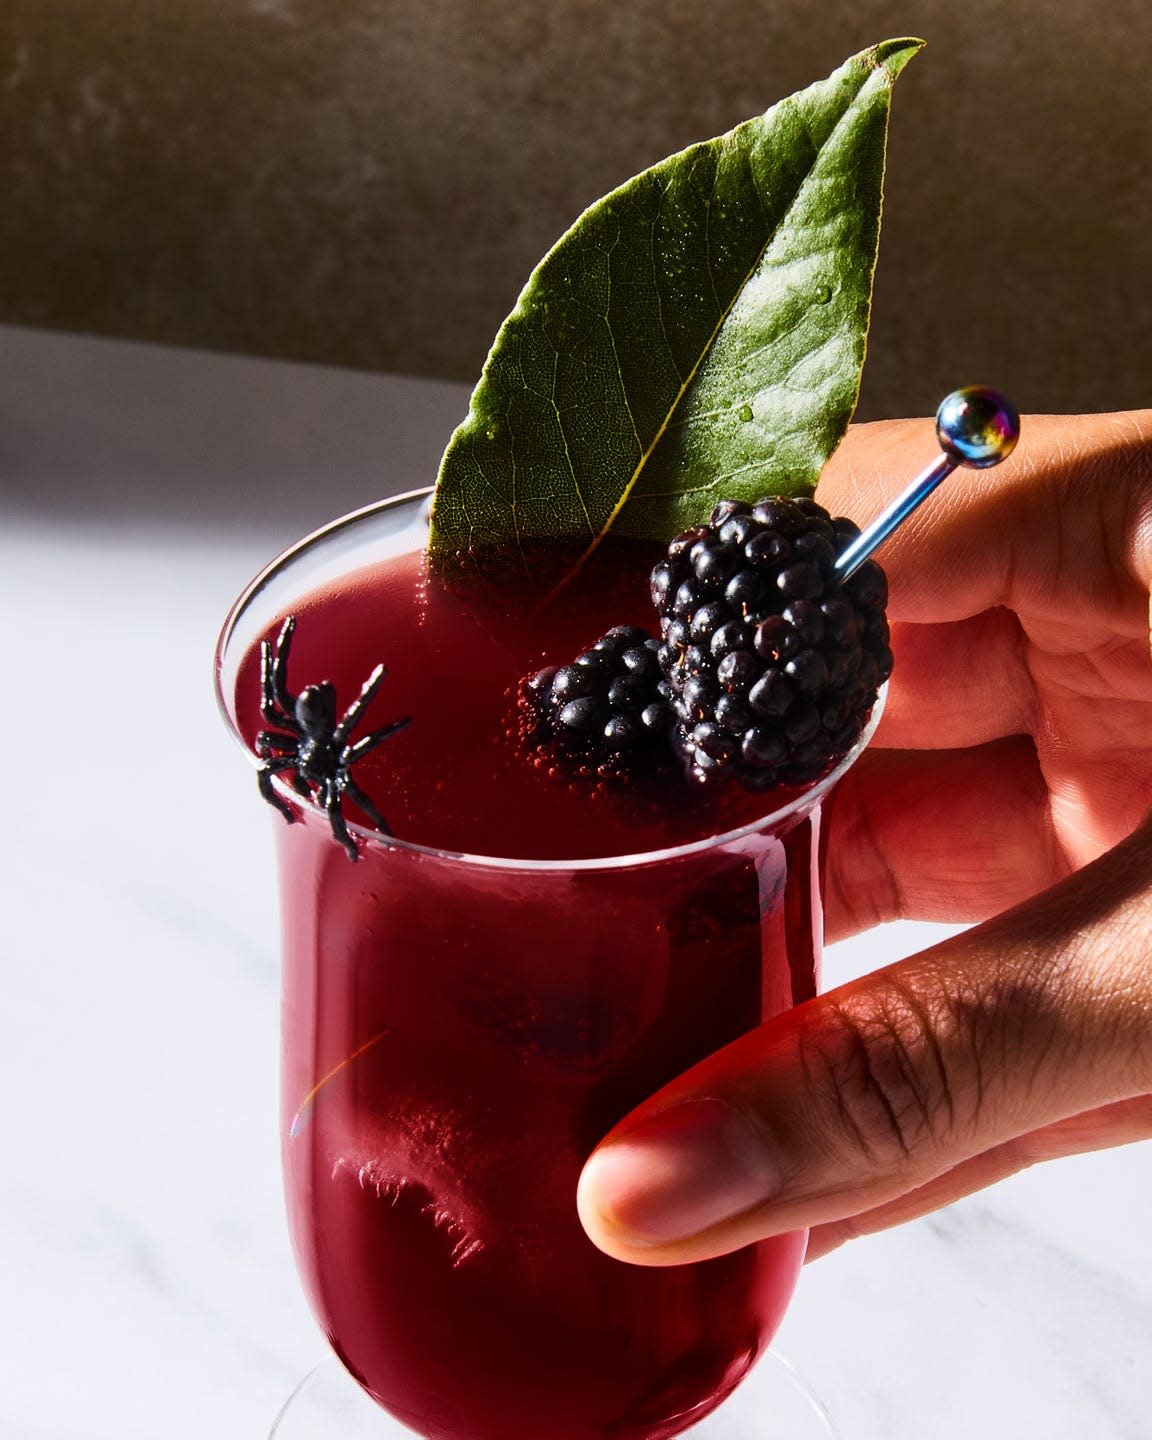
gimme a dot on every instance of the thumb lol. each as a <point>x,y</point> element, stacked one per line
<point>874,1089</point>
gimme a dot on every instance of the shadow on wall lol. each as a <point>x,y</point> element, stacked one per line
<point>368,182</point>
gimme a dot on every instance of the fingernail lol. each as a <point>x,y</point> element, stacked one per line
<point>679,1173</point>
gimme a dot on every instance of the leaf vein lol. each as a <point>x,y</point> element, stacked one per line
<point>659,435</point>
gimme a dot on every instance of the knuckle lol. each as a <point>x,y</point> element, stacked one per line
<point>877,1065</point>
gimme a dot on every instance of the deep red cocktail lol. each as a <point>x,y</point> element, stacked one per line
<point>461,1028</point>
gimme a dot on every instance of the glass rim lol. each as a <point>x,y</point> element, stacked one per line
<point>377,841</point>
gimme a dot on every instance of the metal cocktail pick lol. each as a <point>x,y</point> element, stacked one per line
<point>976,426</point>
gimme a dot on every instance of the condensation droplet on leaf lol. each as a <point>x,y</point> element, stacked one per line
<point>823,294</point>
<point>745,412</point>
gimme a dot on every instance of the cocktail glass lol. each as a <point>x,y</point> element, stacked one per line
<point>458,1033</point>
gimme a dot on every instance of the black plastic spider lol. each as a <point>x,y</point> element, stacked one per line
<point>310,743</point>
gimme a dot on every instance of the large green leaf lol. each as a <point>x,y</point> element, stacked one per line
<point>697,333</point>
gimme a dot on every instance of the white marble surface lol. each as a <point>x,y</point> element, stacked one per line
<point>146,1288</point>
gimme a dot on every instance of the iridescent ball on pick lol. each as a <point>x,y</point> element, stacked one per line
<point>977,426</point>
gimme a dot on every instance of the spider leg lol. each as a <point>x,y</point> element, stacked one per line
<point>267,701</point>
<point>368,806</point>
<point>272,695</point>
<point>269,740</point>
<point>278,673</point>
<point>264,780</point>
<point>337,821</point>
<point>355,752</point>
<point>359,705</point>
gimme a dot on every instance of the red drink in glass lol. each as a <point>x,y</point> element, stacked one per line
<point>469,1009</point>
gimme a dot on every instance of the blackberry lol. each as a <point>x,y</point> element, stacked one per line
<point>770,660</point>
<point>607,710</point>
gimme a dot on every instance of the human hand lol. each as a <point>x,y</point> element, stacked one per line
<point>1014,760</point>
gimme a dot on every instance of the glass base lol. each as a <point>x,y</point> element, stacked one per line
<point>772,1403</point>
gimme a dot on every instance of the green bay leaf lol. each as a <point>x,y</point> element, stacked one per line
<point>698,333</point>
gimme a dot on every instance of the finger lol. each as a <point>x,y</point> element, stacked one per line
<point>857,1097</point>
<point>949,835</point>
<point>1121,1124</point>
<point>957,684</point>
<point>1060,528</point>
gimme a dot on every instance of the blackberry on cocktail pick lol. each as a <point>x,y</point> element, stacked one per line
<point>775,640</point>
<point>606,710</point>
<point>771,660</point>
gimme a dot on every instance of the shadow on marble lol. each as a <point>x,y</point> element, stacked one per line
<point>111,433</point>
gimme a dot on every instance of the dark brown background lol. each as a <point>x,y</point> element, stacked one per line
<point>368,182</point>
